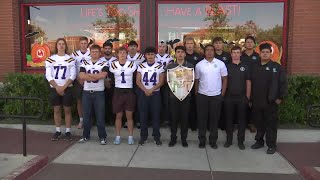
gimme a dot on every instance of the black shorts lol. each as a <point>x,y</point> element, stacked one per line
<point>123,100</point>
<point>57,100</point>
<point>78,89</point>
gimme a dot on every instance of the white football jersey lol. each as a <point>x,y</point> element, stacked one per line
<point>94,68</point>
<point>138,58</point>
<point>150,74</point>
<point>164,60</point>
<point>60,69</point>
<point>110,60</point>
<point>123,75</point>
<point>79,57</point>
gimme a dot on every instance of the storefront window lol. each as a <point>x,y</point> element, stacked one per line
<point>231,21</point>
<point>98,22</point>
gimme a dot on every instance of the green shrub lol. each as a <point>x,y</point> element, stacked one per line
<point>302,91</point>
<point>30,85</point>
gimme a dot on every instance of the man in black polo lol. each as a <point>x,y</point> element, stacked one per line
<point>249,57</point>
<point>269,87</point>
<point>179,108</point>
<point>219,53</point>
<point>237,96</point>
<point>192,57</point>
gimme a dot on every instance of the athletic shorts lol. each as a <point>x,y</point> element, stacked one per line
<point>57,100</point>
<point>123,100</point>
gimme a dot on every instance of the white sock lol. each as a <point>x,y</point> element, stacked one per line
<point>130,137</point>
<point>117,137</point>
<point>68,130</point>
<point>81,119</point>
<point>58,129</point>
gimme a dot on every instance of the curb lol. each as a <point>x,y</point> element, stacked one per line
<point>28,169</point>
<point>310,173</point>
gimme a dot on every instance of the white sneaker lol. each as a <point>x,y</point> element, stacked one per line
<point>117,141</point>
<point>103,141</point>
<point>130,141</point>
<point>83,140</point>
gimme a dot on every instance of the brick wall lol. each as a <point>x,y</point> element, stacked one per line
<point>10,55</point>
<point>304,38</point>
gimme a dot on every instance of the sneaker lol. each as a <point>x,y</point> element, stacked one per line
<point>130,141</point>
<point>56,136</point>
<point>103,141</point>
<point>158,142</point>
<point>79,125</point>
<point>184,143</point>
<point>142,142</point>
<point>241,146</point>
<point>68,136</point>
<point>271,150</point>
<point>138,125</point>
<point>172,143</point>
<point>227,144</point>
<point>214,145</point>
<point>257,146</point>
<point>83,140</point>
<point>202,144</point>
<point>117,141</point>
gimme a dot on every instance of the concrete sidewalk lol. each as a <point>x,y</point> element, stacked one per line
<point>189,163</point>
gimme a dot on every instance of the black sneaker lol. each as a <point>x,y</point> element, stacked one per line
<point>142,142</point>
<point>241,146</point>
<point>271,150</point>
<point>56,136</point>
<point>184,143</point>
<point>172,142</point>
<point>214,145</point>
<point>68,136</point>
<point>257,146</point>
<point>202,144</point>
<point>158,142</point>
<point>227,144</point>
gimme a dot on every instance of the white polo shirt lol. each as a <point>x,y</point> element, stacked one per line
<point>210,76</point>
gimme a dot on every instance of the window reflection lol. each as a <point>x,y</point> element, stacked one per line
<point>97,22</point>
<point>231,21</point>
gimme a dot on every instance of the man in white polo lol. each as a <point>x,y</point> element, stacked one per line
<point>210,87</point>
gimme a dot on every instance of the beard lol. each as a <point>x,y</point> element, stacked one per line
<point>107,53</point>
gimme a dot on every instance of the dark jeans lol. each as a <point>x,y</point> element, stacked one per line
<point>208,107</point>
<point>193,118</point>
<point>179,111</point>
<point>150,104</point>
<point>165,110</point>
<point>94,102</point>
<point>267,124</point>
<point>238,106</point>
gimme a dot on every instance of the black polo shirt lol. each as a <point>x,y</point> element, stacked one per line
<point>238,74</point>
<point>193,58</point>
<point>224,57</point>
<point>174,65</point>
<point>269,83</point>
<point>245,58</point>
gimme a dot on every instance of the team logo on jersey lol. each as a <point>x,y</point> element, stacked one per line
<point>180,80</point>
<point>242,69</point>
<point>274,70</point>
<point>267,68</point>
<point>254,57</point>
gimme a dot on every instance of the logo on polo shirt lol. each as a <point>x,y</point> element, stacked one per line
<point>274,70</point>
<point>215,66</point>
<point>267,68</point>
<point>242,69</point>
<point>224,58</point>
<point>195,58</point>
<point>254,57</point>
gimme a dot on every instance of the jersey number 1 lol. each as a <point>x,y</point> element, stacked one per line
<point>123,80</point>
<point>153,78</point>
